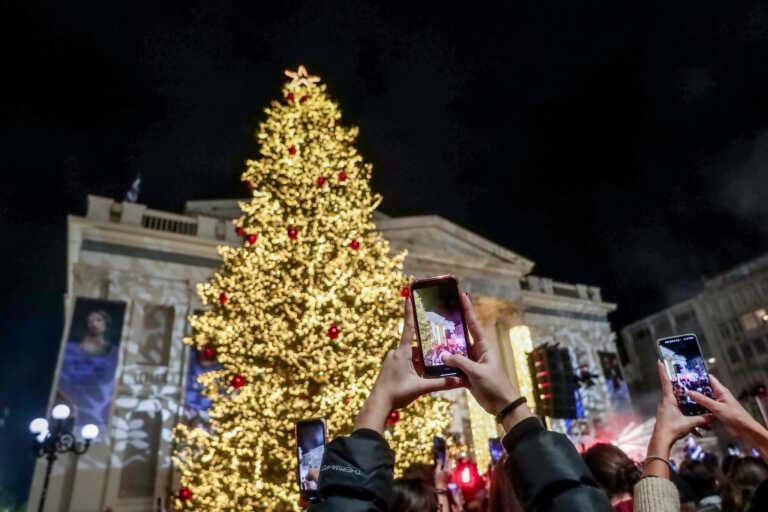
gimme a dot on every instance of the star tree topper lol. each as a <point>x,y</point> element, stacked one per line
<point>301,77</point>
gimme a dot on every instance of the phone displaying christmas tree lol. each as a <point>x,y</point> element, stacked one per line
<point>300,314</point>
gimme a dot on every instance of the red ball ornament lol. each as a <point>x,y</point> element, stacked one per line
<point>240,231</point>
<point>333,332</point>
<point>405,292</point>
<point>292,233</point>
<point>320,181</point>
<point>289,97</point>
<point>209,353</point>
<point>342,176</point>
<point>292,151</point>
<point>251,239</point>
<point>185,493</point>
<point>237,381</point>
<point>354,245</point>
<point>393,417</point>
<point>251,184</point>
<point>223,298</point>
<point>303,99</point>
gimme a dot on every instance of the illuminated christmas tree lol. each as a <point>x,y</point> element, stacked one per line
<point>301,314</point>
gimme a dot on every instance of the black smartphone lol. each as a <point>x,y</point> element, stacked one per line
<point>310,447</point>
<point>494,444</point>
<point>440,323</point>
<point>687,370</point>
<point>439,451</point>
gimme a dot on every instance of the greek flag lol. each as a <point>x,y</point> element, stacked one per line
<point>133,193</point>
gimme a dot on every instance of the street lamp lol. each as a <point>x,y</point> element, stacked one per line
<point>54,437</point>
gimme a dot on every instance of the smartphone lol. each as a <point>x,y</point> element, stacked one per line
<point>686,368</point>
<point>440,451</point>
<point>494,444</point>
<point>440,323</point>
<point>310,446</point>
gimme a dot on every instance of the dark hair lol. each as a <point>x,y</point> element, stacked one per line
<point>412,495</point>
<point>702,478</point>
<point>421,471</point>
<point>614,471</point>
<point>728,463</point>
<point>502,497</point>
<point>743,479</point>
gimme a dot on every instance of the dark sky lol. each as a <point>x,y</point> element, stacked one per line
<point>615,145</point>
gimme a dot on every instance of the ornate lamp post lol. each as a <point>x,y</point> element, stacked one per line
<point>57,437</point>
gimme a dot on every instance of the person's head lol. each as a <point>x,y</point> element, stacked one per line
<point>98,322</point>
<point>502,497</point>
<point>614,471</point>
<point>743,479</point>
<point>727,464</point>
<point>421,471</point>
<point>701,477</point>
<point>412,495</point>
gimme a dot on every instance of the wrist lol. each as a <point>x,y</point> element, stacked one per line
<point>374,412</point>
<point>660,444</point>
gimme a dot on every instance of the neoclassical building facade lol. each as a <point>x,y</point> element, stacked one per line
<point>152,261</point>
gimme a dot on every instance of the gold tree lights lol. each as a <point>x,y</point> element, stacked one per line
<point>301,314</point>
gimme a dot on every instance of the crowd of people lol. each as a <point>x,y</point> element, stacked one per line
<point>540,470</point>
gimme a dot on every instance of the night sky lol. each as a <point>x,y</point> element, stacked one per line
<point>623,147</point>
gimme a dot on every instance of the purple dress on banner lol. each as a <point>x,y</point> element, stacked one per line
<point>87,381</point>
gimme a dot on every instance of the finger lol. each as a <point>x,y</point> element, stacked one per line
<point>408,329</point>
<point>465,364</point>
<point>441,384</point>
<point>719,389</point>
<point>666,385</point>
<point>418,363</point>
<point>473,325</point>
<point>700,399</point>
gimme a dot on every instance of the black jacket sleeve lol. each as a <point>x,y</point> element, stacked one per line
<point>356,474</point>
<point>548,473</point>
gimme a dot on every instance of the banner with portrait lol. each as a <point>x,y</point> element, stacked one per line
<point>196,402</point>
<point>615,384</point>
<point>87,376</point>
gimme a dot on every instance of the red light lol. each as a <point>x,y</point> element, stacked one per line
<point>465,476</point>
<point>541,374</point>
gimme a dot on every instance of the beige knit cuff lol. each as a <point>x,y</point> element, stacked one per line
<point>654,494</point>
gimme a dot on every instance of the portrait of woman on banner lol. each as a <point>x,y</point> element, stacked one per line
<point>86,380</point>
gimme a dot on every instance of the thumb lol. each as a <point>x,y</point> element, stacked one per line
<point>465,364</point>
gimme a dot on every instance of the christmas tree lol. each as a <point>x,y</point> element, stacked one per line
<point>301,314</point>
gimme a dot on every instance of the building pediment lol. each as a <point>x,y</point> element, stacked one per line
<point>433,238</point>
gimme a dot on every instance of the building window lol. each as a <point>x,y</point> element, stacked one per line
<point>747,351</point>
<point>755,319</point>
<point>725,331</point>
<point>759,344</point>
<point>733,355</point>
<point>737,327</point>
<point>685,318</point>
<point>642,335</point>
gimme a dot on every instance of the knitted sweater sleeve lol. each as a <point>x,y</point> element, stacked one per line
<point>654,494</point>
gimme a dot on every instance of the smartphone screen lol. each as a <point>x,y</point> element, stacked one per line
<point>310,446</point>
<point>494,444</point>
<point>440,451</point>
<point>440,323</point>
<point>686,368</point>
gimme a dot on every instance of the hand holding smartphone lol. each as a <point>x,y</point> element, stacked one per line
<point>439,451</point>
<point>311,437</point>
<point>440,324</point>
<point>687,371</point>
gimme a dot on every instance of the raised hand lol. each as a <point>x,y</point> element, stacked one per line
<point>398,383</point>
<point>736,420</point>
<point>487,380</point>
